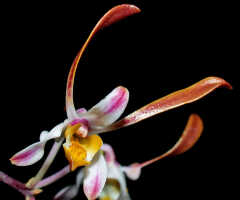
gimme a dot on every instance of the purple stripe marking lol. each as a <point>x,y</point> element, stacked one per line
<point>117,101</point>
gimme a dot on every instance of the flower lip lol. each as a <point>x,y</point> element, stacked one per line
<point>79,147</point>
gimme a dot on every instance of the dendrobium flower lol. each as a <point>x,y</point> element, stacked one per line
<point>102,176</point>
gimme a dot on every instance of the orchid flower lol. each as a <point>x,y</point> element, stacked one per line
<point>80,146</point>
<point>102,176</point>
<point>115,187</point>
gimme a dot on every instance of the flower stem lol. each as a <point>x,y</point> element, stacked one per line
<point>15,184</point>
<point>47,163</point>
<point>49,180</point>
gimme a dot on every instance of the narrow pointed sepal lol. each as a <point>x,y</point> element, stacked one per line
<point>173,100</point>
<point>189,137</point>
<point>113,15</point>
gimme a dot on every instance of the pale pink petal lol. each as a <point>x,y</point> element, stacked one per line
<point>95,177</point>
<point>29,155</point>
<point>109,109</point>
<point>133,171</point>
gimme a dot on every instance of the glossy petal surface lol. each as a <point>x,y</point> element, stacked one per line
<point>176,99</point>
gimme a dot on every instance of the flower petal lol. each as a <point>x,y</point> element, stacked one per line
<point>29,155</point>
<point>115,14</point>
<point>191,134</point>
<point>95,176</point>
<point>35,152</point>
<point>176,99</point>
<point>109,109</point>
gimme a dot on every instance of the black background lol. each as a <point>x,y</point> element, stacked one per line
<point>164,48</point>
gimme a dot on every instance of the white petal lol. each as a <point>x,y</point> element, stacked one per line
<point>29,155</point>
<point>95,176</point>
<point>35,152</point>
<point>109,109</point>
<point>54,133</point>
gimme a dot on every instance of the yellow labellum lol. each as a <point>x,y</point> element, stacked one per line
<point>80,151</point>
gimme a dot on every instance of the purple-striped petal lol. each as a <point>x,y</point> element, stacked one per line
<point>29,155</point>
<point>95,177</point>
<point>35,152</point>
<point>109,109</point>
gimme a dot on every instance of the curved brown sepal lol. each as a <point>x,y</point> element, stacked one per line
<point>173,100</point>
<point>189,137</point>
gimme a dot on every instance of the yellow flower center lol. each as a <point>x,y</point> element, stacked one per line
<point>78,150</point>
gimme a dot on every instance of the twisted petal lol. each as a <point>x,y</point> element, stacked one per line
<point>109,109</point>
<point>191,134</point>
<point>176,99</point>
<point>95,177</point>
<point>115,14</point>
<point>35,152</point>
